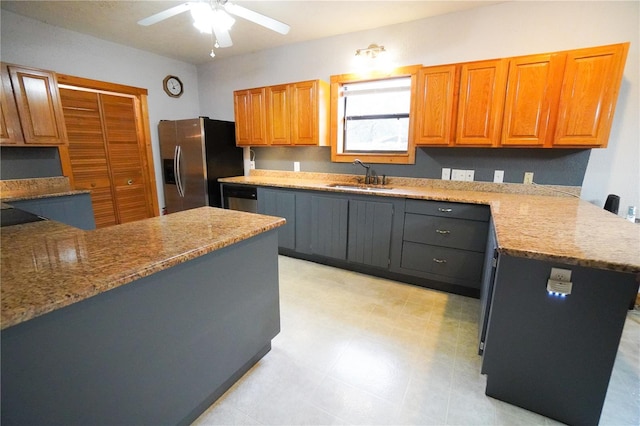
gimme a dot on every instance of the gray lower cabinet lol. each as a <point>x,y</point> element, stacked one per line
<point>429,243</point>
<point>370,224</point>
<point>280,203</point>
<point>444,241</point>
<point>75,210</point>
<point>329,222</point>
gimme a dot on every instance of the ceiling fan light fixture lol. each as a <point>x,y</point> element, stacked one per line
<point>221,19</point>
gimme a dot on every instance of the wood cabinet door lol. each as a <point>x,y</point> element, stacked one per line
<point>533,89</point>
<point>304,113</point>
<point>251,117</point>
<point>435,105</point>
<point>125,158</point>
<point>10,130</point>
<point>278,115</point>
<point>482,90</point>
<point>39,108</point>
<point>590,89</point>
<point>242,113</point>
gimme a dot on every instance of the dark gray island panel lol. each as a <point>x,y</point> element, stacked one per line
<point>75,210</point>
<point>158,350</point>
<point>550,354</point>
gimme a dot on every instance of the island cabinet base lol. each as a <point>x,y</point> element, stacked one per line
<point>158,350</point>
<point>550,354</point>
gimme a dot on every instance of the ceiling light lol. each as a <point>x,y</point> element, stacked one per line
<point>371,52</point>
<point>205,18</point>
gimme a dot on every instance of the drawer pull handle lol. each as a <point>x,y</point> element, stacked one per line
<point>439,260</point>
<point>443,232</point>
<point>445,210</point>
<point>130,182</point>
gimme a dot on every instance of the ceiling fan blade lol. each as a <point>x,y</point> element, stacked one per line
<point>250,15</point>
<point>223,37</point>
<point>165,14</point>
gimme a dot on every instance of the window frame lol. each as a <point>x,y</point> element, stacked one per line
<point>337,118</point>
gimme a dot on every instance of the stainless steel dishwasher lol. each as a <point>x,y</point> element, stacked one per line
<point>240,197</point>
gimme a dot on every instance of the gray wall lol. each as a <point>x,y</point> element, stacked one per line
<point>31,162</point>
<point>550,167</point>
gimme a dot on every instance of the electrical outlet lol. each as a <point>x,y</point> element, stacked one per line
<point>457,174</point>
<point>558,274</point>
<point>498,176</point>
<point>446,173</point>
<point>296,166</point>
<point>469,174</point>
<point>252,165</point>
<point>528,178</point>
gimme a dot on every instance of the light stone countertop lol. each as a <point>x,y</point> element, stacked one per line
<point>48,265</point>
<point>35,188</point>
<point>532,221</point>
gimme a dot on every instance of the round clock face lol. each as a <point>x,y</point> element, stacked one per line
<point>173,86</point>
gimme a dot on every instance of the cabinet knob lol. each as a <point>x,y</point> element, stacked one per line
<point>130,182</point>
<point>439,260</point>
<point>93,184</point>
<point>442,231</point>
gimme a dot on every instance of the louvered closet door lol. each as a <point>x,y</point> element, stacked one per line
<point>127,174</point>
<point>105,154</point>
<point>88,153</point>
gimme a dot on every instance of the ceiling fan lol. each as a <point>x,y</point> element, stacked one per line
<point>214,17</point>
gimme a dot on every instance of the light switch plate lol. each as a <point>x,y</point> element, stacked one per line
<point>498,176</point>
<point>296,166</point>
<point>446,173</point>
<point>469,175</point>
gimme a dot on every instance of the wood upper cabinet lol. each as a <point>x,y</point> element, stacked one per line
<point>278,115</point>
<point>531,102</point>
<point>251,118</point>
<point>38,104</point>
<point>310,113</point>
<point>10,129</point>
<point>286,114</point>
<point>437,88</point>
<point>481,102</point>
<point>590,89</point>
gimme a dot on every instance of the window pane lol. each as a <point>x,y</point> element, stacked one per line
<point>367,110</point>
<point>390,134</point>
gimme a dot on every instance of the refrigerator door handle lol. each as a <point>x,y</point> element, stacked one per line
<point>177,157</point>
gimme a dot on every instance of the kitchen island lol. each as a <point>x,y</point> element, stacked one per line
<point>549,353</point>
<point>142,323</point>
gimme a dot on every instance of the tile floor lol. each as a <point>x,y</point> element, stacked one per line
<point>356,349</point>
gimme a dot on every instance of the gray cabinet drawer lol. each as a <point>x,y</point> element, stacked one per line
<point>442,231</point>
<point>462,264</point>
<point>446,209</point>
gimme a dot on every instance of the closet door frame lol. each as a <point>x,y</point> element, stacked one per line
<point>142,124</point>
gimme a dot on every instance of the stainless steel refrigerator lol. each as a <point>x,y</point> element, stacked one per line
<point>195,153</point>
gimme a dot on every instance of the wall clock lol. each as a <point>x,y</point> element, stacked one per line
<point>173,86</point>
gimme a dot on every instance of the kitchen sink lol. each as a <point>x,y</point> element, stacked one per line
<point>359,187</point>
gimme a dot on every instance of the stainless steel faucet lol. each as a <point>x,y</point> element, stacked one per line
<point>367,176</point>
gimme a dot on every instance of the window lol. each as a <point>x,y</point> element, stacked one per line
<point>376,115</point>
<point>371,117</point>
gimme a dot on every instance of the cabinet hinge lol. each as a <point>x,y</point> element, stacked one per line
<point>481,346</point>
<point>494,262</point>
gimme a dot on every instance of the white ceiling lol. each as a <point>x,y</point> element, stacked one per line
<point>176,38</point>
